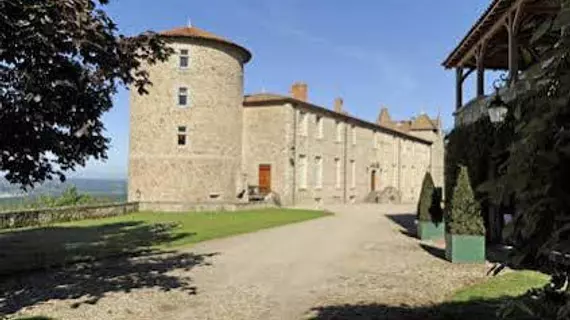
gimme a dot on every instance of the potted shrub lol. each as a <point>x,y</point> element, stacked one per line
<point>430,215</point>
<point>465,237</point>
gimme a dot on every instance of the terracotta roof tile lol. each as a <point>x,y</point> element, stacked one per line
<point>197,33</point>
<point>263,97</point>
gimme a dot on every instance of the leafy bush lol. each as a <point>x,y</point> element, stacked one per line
<point>70,197</point>
<point>463,215</point>
<point>429,205</point>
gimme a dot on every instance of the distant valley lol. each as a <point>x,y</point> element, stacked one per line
<point>95,187</point>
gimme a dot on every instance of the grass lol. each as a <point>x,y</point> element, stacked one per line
<point>512,284</point>
<point>477,302</point>
<point>483,300</point>
<point>195,227</point>
<point>90,240</point>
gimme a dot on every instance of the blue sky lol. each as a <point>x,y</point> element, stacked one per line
<point>372,53</point>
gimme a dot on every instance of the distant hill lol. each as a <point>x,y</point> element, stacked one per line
<point>95,187</point>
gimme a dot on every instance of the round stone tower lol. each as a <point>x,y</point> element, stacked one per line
<point>186,134</point>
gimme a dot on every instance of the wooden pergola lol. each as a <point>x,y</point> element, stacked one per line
<point>501,40</point>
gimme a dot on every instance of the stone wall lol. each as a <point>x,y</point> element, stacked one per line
<point>436,154</point>
<point>265,142</point>
<point>203,207</point>
<point>208,167</point>
<point>37,217</point>
<point>274,134</point>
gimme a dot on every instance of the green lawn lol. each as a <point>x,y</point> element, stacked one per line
<point>90,240</point>
<point>510,284</point>
<point>477,302</point>
<point>482,301</point>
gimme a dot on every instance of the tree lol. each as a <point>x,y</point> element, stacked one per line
<point>60,63</point>
<point>536,171</point>
<point>69,197</point>
<point>464,213</point>
<point>429,205</point>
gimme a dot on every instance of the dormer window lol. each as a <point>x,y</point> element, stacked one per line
<point>184,59</point>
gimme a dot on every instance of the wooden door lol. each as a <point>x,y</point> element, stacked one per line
<point>264,178</point>
<point>373,180</point>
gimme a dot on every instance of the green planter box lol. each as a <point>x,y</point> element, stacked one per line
<point>464,249</point>
<point>428,230</point>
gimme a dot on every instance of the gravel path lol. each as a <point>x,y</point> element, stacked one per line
<point>360,255</point>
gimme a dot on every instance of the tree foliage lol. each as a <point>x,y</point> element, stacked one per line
<point>536,170</point>
<point>533,170</point>
<point>429,204</point>
<point>463,215</point>
<point>69,197</point>
<point>471,146</point>
<point>60,63</point>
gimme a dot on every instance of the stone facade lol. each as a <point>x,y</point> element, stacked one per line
<point>206,168</point>
<point>309,154</point>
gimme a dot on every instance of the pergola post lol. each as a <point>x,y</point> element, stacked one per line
<point>458,88</point>
<point>513,21</point>
<point>480,58</point>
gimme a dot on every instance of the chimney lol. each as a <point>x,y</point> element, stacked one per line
<point>338,102</point>
<point>299,91</point>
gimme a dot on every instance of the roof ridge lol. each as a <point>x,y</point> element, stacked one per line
<point>198,33</point>
<point>281,98</point>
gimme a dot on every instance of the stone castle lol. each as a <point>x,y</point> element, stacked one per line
<point>196,139</point>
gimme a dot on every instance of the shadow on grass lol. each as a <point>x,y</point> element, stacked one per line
<point>86,263</point>
<point>478,309</point>
<point>406,221</point>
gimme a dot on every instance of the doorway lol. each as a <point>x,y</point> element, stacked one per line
<point>264,178</point>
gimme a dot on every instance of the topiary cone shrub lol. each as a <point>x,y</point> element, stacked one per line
<point>465,237</point>
<point>430,214</point>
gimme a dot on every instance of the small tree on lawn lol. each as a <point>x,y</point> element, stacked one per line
<point>464,213</point>
<point>429,205</point>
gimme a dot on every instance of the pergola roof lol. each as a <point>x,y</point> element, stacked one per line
<point>490,30</point>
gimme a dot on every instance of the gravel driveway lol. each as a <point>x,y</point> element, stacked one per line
<point>360,255</point>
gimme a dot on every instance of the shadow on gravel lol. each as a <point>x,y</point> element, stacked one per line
<point>434,251</point>
<point>406,221</point>
<point>86,263</point>
<point>477,309</point>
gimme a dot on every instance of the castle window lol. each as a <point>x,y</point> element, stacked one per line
<point>303,172</point>
<point>303,124</point>
<point>183,96</point>
<point>182,135</point>
<point>338,131</point>
<point>184,59</point>
<point>338,173</point>
<point>319,123</point>
<point>318,172</point>
<point>353,174</point>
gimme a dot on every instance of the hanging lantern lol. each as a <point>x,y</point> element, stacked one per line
<point>497,108</point>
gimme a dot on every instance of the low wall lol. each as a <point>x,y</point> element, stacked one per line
<point>37,217</point>
<point>202,207</point>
